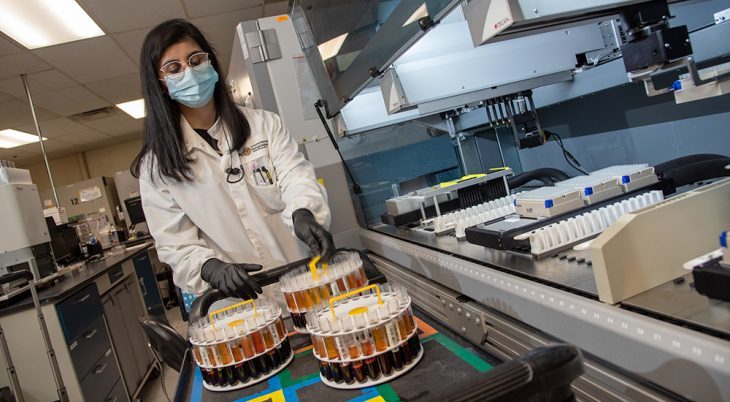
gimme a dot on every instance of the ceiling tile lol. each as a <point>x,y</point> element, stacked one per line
<point>89,60</point>
<point>50,146</point>
<point>13,154</point>
<point>39,83</point>
<point>8,47</point>
<point>21,63</point>
<point>118,89</point>
<point>201,8</point>
<point>70,101</point>
<point>122,128</point>
<point>272,9</point>
<point>219,29</point>
<point>120,16</point>
<point>52,79</point>
<point>117,118</point>
<point>84,137</point>
<point>131,42</point>
<point>16,113</point>
<point>55,128</point>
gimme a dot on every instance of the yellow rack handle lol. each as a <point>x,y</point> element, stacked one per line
<point>313,266</point>
<point>210,315</point>
<point>353,292</point>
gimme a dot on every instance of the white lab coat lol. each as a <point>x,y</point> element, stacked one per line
<point>245,222</point>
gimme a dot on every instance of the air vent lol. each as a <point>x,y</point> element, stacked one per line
<point>96,114</point>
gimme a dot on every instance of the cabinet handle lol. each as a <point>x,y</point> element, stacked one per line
<point>111,399</point>
<point>73,345</point>
<point>144,288</point>
<point>100,369</point>
<point>84,298</point>
<point>91,333</point>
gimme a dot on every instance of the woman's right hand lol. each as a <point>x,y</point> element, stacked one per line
<point>231,279</point>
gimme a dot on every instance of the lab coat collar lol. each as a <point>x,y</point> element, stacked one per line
<point>193,140</point>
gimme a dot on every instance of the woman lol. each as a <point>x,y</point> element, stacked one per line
<point>224,188</point>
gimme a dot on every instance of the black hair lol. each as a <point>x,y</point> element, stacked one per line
<point>163,146</point>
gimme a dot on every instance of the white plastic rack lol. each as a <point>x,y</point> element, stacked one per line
<point>559,236</point>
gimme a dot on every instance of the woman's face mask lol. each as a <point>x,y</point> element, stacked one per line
<point>196,86</point>
<point>188,73</point>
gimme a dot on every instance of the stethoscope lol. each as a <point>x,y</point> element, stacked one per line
<point>233,171</point>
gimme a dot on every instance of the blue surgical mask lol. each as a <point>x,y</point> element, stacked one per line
<point>195,88</point>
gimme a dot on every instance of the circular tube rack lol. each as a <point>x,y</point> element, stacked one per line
<point>365,337</point>
<point>310,287</point>
<point>240,345</point>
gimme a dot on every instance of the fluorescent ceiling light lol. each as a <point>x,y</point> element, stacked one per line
<point>41,23</point>
<point>330,48</point>
<point>133,108</point>
<point>420,12</point>
<point>13,138</point>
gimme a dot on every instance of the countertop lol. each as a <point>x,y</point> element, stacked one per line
<point>72,282</point>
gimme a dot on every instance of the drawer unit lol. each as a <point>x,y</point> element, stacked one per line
<point>117,393</point>
<point>77,312</point>
<point>148,285</point>
<point>89,346</point>
<point>101,378</point>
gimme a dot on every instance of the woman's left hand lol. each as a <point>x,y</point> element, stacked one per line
<point>313,234</point>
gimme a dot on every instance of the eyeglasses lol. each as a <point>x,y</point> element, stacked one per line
<point>175,69</point>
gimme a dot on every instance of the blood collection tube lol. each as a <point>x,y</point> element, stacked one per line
<point>318,345</point>
<point>242,373</point>
<point>331,347</point>
<point>280,328</point>
<point>258,341</point>
<point>247,347</point>
<point>359,371</point>
<point>230,375</point>
<point>352,280</point>
<point>213,352</point>
<point>348,376</point>
<point>286,349</point>
<point>234,345</point>
<point>324,368</point>
<point>336,370</point>
<point>379,336</point>
<point>268,338</point>
<point>373,368</point>
<point>386,363</point>
<point>290,302</point>
<point>341,347</point>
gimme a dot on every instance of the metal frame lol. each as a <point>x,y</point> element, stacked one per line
<point>340,91</point>
<point>689,363</point>
<point>19,257</point>
<point>507,338</point>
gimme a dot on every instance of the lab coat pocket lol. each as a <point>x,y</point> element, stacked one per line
<point>261,181</point>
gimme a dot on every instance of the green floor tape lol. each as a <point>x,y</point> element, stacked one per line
<point>463,353</point>
<point>387,393</point>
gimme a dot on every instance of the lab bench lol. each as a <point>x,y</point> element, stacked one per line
<point>448,362</point>
<point>93,322</point>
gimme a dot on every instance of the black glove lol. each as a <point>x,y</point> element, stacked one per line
<point>313,234</point>
<point>231,279</point>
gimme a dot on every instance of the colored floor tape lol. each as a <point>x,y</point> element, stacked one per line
<point>463,353</point>
<point>276,396</point>
<point>387,393</point>
<point>196,395</point>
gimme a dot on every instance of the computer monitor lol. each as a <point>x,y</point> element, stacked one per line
<point>134,210</point>
<point>71,238</point>
<point>58,244</point>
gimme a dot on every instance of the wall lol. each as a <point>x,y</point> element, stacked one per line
<point>109,160</point>
<point>66,170</point>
